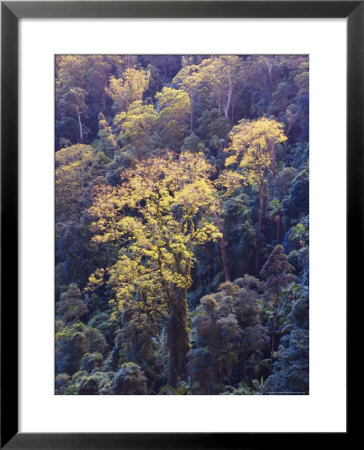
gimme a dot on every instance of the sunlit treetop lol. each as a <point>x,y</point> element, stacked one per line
<point>126,90</point>
<point>136,126</point>
<point>157,217</point>
<point>253,146</point>
<point>72,164</point>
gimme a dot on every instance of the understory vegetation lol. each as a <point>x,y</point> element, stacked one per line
<point>182,225</point>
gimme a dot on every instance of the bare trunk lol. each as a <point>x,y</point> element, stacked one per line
<point>270,79</point>
<point>104,93</point>
<point>164,68</point>
<point>80,124</point>
<point>273,153</point>
<point>177,340</point>
<point>274,328</point>
<point>232,109</point>
<point>222,245</point>
<point>260,221</point>
<point>230,93</point>
<point>270,67</point>
<point>279,228</point>
<point>275,310</point>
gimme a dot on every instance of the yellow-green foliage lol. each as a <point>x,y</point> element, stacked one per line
<point>136,126</point>
<point>253,147</point>
<point>128,89</point>
<point>218,73</point>
<point>171,200</point>
<point>175,108</point>
<point>71,171</point>
<point>189,78</point>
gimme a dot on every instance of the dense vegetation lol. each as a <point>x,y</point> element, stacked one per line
<point>182,224</point>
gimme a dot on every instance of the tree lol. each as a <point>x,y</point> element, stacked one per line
<point>74,102</point>
<point>253,148</point>
<point>127,89</point>
<point>136,127</point>
<point>172,199</point>
<point>189,78</point>
<point>222,75</point>
<point>229,339</point>
<point>72,164</point>
<point>278,275</point>
<point>107,141</point>
<point>174,108</point>
<point>73,342</point>
<point>71,72</point>
<point>281,185</point>
<point>129,381</point>
<point>290,370</point>
<point>71,306</point>
<point>102,67</point>
<point>226,184</point>
<point>296,203</point>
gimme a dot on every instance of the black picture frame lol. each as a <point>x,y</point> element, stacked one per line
<point>11,12</point>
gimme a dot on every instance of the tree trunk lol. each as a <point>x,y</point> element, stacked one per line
<point>279,227</point>
<point>260,221</point>
<point>275,309</point>
<point>80,124</point>
<point>222,245</point>
<point>269,65</point>
<point>273,154</point>
<point>164,66</point>
<point>177,340</point>
<point>232,109</point>
<point>230,93</point>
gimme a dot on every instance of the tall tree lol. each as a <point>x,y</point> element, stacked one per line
<point>106,139</point>
<point>222,75</point>
<point>136,126</point>
<point>72,71</point>
<point>227,182</point>
<point>278,275</point>
<point>172,200</point>
<point>74,102</point>
<point>72,164</point>
<point>189,78</point>
<point>253,147</point>
<point>174,108</point>
<point>128,89</point>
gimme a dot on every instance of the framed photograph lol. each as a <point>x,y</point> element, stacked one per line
<point>180,196</point>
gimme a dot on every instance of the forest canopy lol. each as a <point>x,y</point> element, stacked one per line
<point>182,224</point>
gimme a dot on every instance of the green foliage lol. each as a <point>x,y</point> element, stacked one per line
<point>295,204</point>
<point>91,361</point>
<point>72,164</point>
<point>291,368</point>
<point>174,175</point>
<point>106,141</point>
<point>193,144</point>
<point>229,336</point>
<point>136,126</point>
<point>82,383</point>
<point>129,380</point>
<point>73,342</point>
<point>127,89</point>
<point>71,306</point>
<point>174,108</point>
